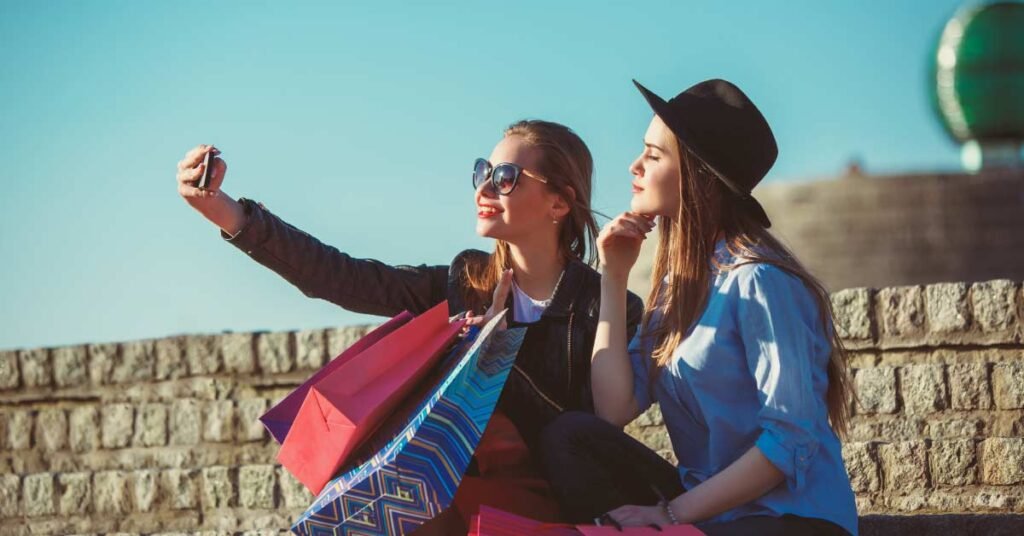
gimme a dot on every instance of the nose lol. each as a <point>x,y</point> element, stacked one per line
<point>485,190</point>
<point>637,168</point>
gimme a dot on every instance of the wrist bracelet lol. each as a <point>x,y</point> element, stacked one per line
<point>668,510</point>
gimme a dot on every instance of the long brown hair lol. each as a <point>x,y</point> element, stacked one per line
<point>566,163</point>
<point>685,245</point>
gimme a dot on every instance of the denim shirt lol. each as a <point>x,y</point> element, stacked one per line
<point>752,372</point>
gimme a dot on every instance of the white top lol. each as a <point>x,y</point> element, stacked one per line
<point>527,309</point>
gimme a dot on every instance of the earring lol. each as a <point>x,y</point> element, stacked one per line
<point>554,222</point>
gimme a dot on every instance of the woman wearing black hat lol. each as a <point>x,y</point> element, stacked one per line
<point>737,346</point>
<point>532,196</point>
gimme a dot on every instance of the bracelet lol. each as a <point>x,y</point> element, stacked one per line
<point>668,510</point>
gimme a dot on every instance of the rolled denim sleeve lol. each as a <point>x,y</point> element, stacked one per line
<point>784,342</point>
<point>640,359</point>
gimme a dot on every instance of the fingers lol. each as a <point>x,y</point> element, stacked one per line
<point>195,156</point>
<point>640,220</point>
<point>476,320</point>
<point>190,176</point>
<point>630,225</point>
<point>189,191</point>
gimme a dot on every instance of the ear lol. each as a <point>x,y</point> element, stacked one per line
<point>561,205</point>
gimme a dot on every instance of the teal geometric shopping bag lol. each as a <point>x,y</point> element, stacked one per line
<point>424,449</point>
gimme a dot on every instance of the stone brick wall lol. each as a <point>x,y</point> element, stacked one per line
<point>939,373</point>
<point>152,436</point>
<point>161,436</point>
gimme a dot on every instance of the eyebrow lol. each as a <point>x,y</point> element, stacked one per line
<point>653,146</point>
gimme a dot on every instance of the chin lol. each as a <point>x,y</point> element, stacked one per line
<point>641,206</point>
<point>638,206</point>
<point>487,229</point>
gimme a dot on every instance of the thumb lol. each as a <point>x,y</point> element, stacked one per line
<point>501,291</point>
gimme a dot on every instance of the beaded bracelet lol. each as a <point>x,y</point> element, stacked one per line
<point>668,510</point>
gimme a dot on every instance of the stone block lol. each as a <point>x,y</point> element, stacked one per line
<point>953,462</point>
<point>237,349</point>
<point>75,493</point>
<point>10,491</point>
<point>51,429</point>
<point>994,304</point>
<point>901,311</point>
<point>274,352</point>
<point>220,420</point>
<point>84,429</point>
<point>19,429</point>
<point>946,307</point>
<point>170,359</point>
<point>876,390</point>
<point>186,422</point>
<point>1008,384</point>
<point>71,365</point>
<point>310,349</point>
<point>861,466</point>
<point>109,492</point>
<point>145,490</point>
<point>150,426</point>
<point>256,486</point>
<point>1002,461</point>
<point>102,358</point>
<point>9,375</point>
<point>969,386</point>
<point>137,363</point>
<point>904,465</point>
<point>38,499</point>
<point>202,352</point>
<point>249,426</point>
<point>923,388</point>
<point>293,493</point>
<point>179,487</point>
<point>36,369</point>
<point>116,425</point>
<point>218,487</point>
<point>853,313</point>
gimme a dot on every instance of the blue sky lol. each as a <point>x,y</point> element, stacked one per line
<point>359,122</point>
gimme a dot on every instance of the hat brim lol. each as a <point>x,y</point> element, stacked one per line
<point>662,110</point>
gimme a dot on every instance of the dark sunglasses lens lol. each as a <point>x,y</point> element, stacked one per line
<point>504,178</point>
<point>479,172</point>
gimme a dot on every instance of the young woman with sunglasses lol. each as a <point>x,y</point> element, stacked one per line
<point>533,197</point>
<point>737,346</point>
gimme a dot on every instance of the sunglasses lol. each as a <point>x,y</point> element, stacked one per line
<point>503,177</point>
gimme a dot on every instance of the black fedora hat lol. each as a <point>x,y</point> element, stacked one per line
<point>719,123</point>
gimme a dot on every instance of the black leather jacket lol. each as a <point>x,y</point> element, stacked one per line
<point>552,369</point>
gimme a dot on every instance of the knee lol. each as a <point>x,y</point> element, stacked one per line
<point>567,431</point>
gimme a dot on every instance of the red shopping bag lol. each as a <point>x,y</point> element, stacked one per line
<point>345,406</point>
<point>508,479</point>
<point>278,420</point>
<point>494,522</point>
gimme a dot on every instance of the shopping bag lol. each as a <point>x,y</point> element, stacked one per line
<point>494,522</point>
<point>424,450</point>
<point>346,406</point>
<point>278,420</point>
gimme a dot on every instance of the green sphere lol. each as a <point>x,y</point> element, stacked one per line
<point>978,73</point>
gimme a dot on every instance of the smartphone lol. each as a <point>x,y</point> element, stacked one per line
<point>204,181</point>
